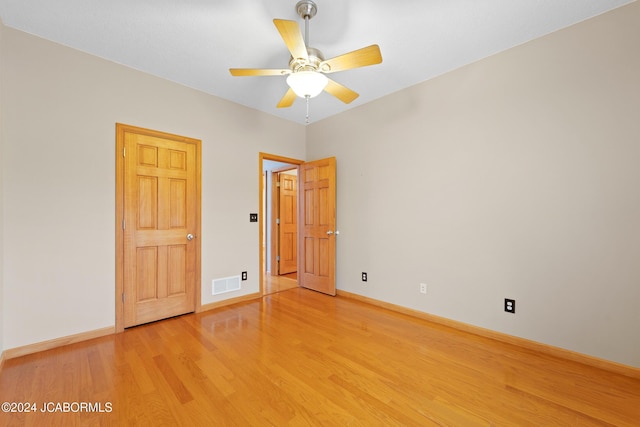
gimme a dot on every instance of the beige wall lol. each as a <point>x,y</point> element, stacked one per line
<point>59,181</point>
<point>514,177</point>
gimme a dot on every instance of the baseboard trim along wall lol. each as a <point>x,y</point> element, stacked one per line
<point>561,353</point>
<point>57,342</point>
<point>85,336</point>
<point>230,301</point>
<point>546,349</point>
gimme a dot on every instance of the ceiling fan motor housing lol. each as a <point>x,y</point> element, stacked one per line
<point>313,64</point>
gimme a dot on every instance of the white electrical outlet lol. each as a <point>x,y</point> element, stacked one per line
<point>423,288</point>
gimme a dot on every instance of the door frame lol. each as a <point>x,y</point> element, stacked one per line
<point>261,158</point>
<point>121,129</point>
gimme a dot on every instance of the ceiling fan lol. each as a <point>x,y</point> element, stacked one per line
<point>307,66</point>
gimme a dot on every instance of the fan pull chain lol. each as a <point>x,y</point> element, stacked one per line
<point>307,98</point>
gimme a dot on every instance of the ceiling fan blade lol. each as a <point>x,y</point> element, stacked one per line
<point>258,72</point>
<point>369,55</point>
<point>343,93</point>
<point>287,99</point>
<point>292,36</point>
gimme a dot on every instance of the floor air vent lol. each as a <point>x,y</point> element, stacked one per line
<point>226,284</point>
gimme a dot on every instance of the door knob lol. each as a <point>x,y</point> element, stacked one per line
<point>189,236</point>
<point>329,233</point>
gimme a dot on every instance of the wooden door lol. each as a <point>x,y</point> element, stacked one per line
<point>161,225</point>
<point>288,226</point>
<point>317,243</point>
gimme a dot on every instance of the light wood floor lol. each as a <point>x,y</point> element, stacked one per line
<point>273,284</point>
<point>302,358</point>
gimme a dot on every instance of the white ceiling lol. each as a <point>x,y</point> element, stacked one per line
<point>195,42</point>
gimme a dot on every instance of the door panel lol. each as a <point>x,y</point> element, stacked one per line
<point>178,199</point>
<point>161,207</point>
<point>146,277</point>
<point>288,229</point>
<point>318,246</point>
<point>177,260</point>
<point>147,202</point>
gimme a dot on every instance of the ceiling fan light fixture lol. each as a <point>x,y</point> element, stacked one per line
<point>307,83</point>
<point>307,65</point>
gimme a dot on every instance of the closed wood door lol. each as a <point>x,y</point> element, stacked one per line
<point>317,183</point>
<point>288,226</point>
<point>161,225</point>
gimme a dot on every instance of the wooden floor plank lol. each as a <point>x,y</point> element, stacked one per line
<point>298,357</point>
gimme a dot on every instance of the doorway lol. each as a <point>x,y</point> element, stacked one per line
<point>283,214</point>
<point>316,229</point>
<point>279,212</point>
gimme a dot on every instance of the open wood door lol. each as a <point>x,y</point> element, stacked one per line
<point>317,240</point>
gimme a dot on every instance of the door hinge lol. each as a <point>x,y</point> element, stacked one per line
<point>123,297</point>
<point>278,184</point>
<point>124,152</point>
<point>277,257</point>
<point>277,221</point>
<point>124,224</point>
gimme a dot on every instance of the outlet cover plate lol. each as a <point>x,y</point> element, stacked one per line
<point>244,275</point>
<point>364,276</point>
<point>510,305</point>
